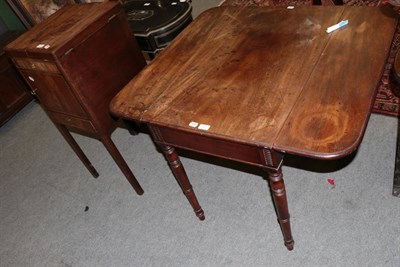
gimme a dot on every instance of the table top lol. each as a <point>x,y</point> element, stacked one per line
<point>268,76</point>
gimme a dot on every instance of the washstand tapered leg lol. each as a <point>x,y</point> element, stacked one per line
<point>113,150</point>
<point>78,151</point>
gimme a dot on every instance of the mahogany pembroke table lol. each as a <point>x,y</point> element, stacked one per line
<point>252,84</point>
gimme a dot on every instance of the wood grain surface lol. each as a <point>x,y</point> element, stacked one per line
<point>74,28</point>
<point>271,77</point>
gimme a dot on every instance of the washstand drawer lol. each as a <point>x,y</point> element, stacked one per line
<point>74,122</point>
<point>36,64</point>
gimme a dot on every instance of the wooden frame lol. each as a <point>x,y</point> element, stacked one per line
<point>31,12</point>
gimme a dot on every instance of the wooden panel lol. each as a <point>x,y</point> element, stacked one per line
<point>332,112</point>
<point>208,145</point>
<point>10,90</point>
<point>14,93</point>
<point>73,122</point>
<point>54,93</point>
<point>99,79</point>
<point>75,22</point>
<point>36,64</point>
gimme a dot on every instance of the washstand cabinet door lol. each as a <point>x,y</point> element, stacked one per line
<point>54,93</point>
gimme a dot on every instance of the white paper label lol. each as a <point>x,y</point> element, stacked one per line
<point>204,127</point>
<point>193,124</point>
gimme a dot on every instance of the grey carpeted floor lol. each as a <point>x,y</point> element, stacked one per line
<point>45,190</point>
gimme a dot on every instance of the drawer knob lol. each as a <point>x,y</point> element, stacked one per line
<point>31,78</point>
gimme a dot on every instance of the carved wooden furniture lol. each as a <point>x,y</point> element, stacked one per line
<point>75,62</point>
<point>246,85</point>
<point>14,93</point>
<point>156,23</point>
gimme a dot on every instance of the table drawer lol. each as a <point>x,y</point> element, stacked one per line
<point>36,64</point>
<point>218,147</point>
<point>74,122</point>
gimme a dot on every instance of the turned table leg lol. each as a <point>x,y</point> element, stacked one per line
<point>277,187</point>
<point>177,169</point>
<point>78,151</point>
<point>116,155</point>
